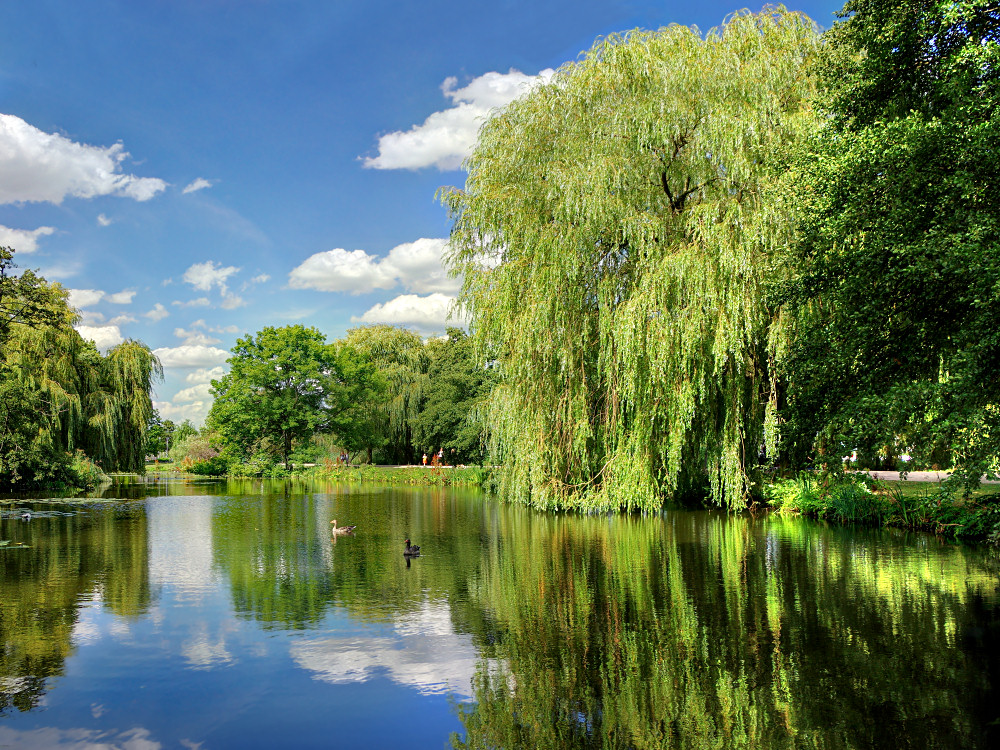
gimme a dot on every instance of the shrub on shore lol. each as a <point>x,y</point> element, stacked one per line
<point>857,498</point>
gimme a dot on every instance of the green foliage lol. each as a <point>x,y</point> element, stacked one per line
<point>59,394</point>
<point>615,234</point>
<point>473,476</point>
<point>856,498</point>
<point>195,447</point>
<point>898,301</point>
<point>217,466</point>
<point>401,359</point>
<point>457,386</point>
<point>286,384</point>
<point>87,474</point>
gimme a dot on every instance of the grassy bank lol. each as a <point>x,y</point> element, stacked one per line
<point>471,476</point>
<point>922,506</point>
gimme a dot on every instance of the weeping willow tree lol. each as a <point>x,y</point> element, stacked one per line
<point>615,234</point>
<point>402,361</point>
<point>59,394</point>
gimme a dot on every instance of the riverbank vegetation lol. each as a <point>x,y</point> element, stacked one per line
<point>67,412</point>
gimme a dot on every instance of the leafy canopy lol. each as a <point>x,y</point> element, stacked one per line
<point>615,232</point>
<point>899,295</point>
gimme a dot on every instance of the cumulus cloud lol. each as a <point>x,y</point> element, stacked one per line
<point>445,138</point>
<point>85,297</point>
<point>414,265</point>
<point>39,166</point>
<point>195,337</point>
<point>200,184</point>
<point>191,356</point>
<point>418,266</point>
<point>200,392</point>
<point>204,375</point>
<point>104,221</point>
<point>428,313</point>
<point>105,337</point>
<point>159,312</point>
<point>23,240</point>
<point>196,411</point>
<point>120,319</point>
<point>341,271</point>
<point>121,298</point>
<point>204,276</point>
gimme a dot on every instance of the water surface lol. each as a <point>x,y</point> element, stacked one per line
<point>181,614</point>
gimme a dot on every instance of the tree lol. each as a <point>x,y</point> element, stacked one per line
<point>159,435</point>
<point>615,234</point>
<point>898,299</point>
<point>25,299</point>
<point>457,387</point>
<point>58,394</point>
<point>273,394</point>
<point>401,360</point>
<point>283,386</point>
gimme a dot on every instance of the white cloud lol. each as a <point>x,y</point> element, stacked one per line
<point>200,184</point>
<point>196,411</point>
<point>260,278</point>
<point>200,392</point>
<point>204,276</point>
<point>195,337</point>
<point>23,240</point>
<point>199,302</point>
<point>159,312</point>
<point>445,138</point>
<point>91,318</point>
<point>202,375</point>
<point>338,270</point>
<point>428,313</point>
<point>85,297</point>
<point>104,221</point>
<point>137,738</point>
<point>121,298</point>
<point>124,318</point>
<point>414,265</point>
<point>423,653</point>
<point>418,266</point>
<point>191,355</point>
<point>39,166</point>
<point>231,302</point>
<point>105,337</point>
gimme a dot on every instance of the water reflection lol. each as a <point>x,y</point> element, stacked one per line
<point>686,630</point>
<point>711,631</point>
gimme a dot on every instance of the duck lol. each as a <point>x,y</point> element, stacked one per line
<point>412,550</point>
<point>337,530</point>
<point>26,516</point>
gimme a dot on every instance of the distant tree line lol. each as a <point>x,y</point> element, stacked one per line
<point>381,394</point>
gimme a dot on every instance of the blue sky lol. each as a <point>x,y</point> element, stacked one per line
<point>195,170</point>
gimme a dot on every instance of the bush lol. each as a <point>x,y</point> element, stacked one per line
<point>88,475</point>
<point>216,466</point>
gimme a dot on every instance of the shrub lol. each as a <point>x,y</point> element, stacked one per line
<point>216,466</point>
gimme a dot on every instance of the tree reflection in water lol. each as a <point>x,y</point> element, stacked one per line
<point>711,631</point>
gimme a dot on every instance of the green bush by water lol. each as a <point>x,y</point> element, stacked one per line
<point>857,498</point>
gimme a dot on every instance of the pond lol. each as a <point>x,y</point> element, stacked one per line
<point>183,614</point>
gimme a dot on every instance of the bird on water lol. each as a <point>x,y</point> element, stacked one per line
<point>412,550</point>
<point>337,530</point>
